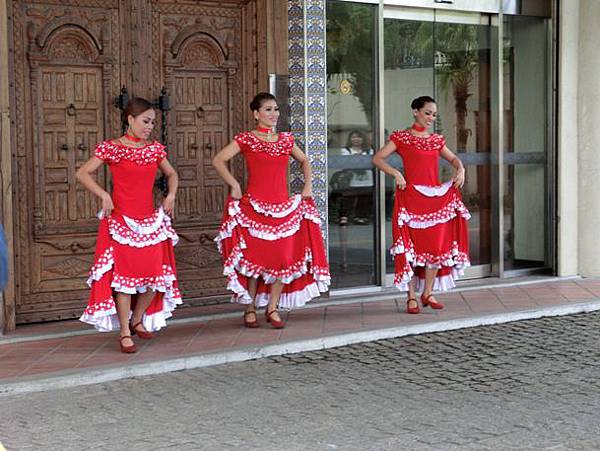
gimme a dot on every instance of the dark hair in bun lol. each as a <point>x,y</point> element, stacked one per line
<point>420,102</point>
<point>259,99</point>
<point>135,107</point>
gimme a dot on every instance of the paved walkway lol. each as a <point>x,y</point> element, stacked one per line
<point>527,385</point>
<point>40,357</point>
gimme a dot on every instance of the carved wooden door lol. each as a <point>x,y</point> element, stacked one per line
<point>70,60</point>
<point>203,46</point>
<point>70,110</point>
<point>199,125</point>
<point>65,74</point>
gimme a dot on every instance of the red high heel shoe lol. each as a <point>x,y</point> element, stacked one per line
<point>275,323</point>
<point>433,304</point>
<point>127,349</point>
<point>143,333</point>
<point>251,324</point>
<point>415,309</point>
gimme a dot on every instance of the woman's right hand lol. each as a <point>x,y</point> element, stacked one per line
<point>236,191</point>
<point>400,181</point>
<point>107,205</point>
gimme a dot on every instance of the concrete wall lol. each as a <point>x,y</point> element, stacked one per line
<point>567,140</point>
<point>588,120</point>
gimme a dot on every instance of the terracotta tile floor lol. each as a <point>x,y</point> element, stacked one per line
<point>194,332</point>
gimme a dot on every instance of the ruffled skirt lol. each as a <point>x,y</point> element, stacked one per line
<point>273,241</point>
<point>133,256</point>
<point>430,231</point>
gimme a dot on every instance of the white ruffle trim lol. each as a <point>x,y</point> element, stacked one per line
<point>434,191</point>
<point>441,283</point>
<point>262,231</point>
<point>454,259</point>
<point>108,320</point>
<point>291,300</point>
<point>276,210</point>
<point>103,264</point>
<point>159,283</point>
<point>423,221</point>
<point>103,321</point>
<point>143,233</point>
<point>146,226</point>
<point>287,300</point>
<point>400,248</point>
<point>237,263</point>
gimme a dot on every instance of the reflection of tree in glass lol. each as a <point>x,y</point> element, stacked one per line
<point>351,49</point>
<point>408,44</point>
<point>453,47</point>
<point>459,46</point>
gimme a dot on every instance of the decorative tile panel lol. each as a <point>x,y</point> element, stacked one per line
<point>308,94</point>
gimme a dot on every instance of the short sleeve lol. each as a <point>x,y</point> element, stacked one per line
<point>440,142</point>
<point>397,139</point>
<point>161,152</point>
<point>242,140</point>
<point>102,151</point>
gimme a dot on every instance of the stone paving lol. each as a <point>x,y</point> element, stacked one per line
<point>222,332</point>
<point>528,385</point>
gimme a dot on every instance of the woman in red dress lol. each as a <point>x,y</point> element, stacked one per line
<point>271,243</point>
<point>431,241</point>
<point>134,249</point>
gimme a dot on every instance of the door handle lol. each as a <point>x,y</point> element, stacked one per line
<point>64,147</point>
<point>208,146</point>
<point>71,110</point>
<point>200,112</point>
<point>82,147</point>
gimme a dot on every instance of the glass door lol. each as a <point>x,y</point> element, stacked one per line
<point>493,85</point>
<point>351,132</point>
<point>447,55</point>
<point>527,181</point>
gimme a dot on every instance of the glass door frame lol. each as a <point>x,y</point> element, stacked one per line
<point>496,10</point>
<point>459,17</point>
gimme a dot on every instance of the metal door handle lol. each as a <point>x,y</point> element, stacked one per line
<point>208,146</point>
<point>200,112</point>
<point>82,147</point>
<point>194,146</point>
<point>71,110</point>
<point>64,147</point>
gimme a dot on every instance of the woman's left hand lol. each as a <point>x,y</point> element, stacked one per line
<point>459,178</point>
<point>307,192</point>
<point>169,205</point>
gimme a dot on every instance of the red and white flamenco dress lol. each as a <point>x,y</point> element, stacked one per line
<point>134,249</point>
<point>429,219</point>
<point>269,235</point>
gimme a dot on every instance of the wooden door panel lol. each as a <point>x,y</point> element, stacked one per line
<point>202,58</point>
<point>74,105</point>
<point>71,112</point>
<point>71,59</point>
<point>65,78</point>
<point>199,126</point>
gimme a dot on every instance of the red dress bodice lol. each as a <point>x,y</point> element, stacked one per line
<point>133,172</point>
<point>420,156</point>
<point>267,164</point>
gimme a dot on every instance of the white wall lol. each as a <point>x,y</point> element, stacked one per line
<point>589,137</point>
<point>567,140</point>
